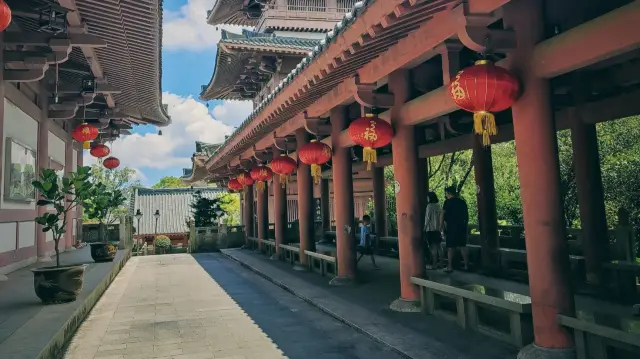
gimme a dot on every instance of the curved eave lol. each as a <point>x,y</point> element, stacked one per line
<point>226,72</point>
<point>229,12</point>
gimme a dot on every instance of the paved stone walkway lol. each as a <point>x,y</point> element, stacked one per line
<point>178,306</point>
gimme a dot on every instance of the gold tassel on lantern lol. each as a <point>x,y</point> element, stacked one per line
<point>260,186</point>
<point>369,155</point>
<point>484,123</point>
<point>316,173</point>
<point>283,180</point>
<point>86,145</point>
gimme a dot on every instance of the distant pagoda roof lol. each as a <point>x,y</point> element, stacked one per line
<point>237,74</point>
<point>198,171</point>
<point>235,12</point>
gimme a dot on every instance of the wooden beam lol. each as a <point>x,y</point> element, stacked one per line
<point>599,39</point>
<point>25,75</point>
<point>44,39</point>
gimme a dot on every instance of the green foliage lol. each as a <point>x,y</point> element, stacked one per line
<point>117,179</point>
<point>102,201</point>
<point>206,211</point>
<point>63,196</point>
<point>170,182</point>
<point>230,204</point>
<point>163,241</point>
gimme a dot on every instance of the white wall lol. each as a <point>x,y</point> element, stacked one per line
<point>24,129</point>
<point>56,149</point>
<point>8,241</point>
<point>74,161</point>
<point>27,235</point>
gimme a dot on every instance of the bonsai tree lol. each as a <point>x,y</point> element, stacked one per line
<point>63,197</point>
<point>100,203</point>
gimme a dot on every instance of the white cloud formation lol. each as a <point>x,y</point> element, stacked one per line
<point>232,113</point>
<point>191,121</point>
<point>187,28</point>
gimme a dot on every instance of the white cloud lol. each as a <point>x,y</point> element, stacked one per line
<point>187,28</point>
<point>232,113</point>
<point>191,121</point>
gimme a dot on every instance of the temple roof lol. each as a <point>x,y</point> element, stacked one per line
<point>236,67</point>
<point>234,12</point>
<point>198,170</point>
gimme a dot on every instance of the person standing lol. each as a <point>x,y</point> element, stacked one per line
<point>365,246</point>
<point>454,222</point>
<point>433,235</point>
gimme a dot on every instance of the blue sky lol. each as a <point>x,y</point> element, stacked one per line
<point>188,55</point>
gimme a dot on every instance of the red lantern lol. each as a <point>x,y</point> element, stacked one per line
<point>261,174</point>
<point>283,166</point>
<point>100,151</point>
<point>370,132</point>
<point>5,15</point>
<point>315,154</point>
<point>234,185</point>
<point>84,133</point>
<point>111,163</point>
<point>482,89</point>
<point>245,179</point>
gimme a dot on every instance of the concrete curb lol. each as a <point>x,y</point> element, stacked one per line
<point>54,348</point>
<point>319,306</point>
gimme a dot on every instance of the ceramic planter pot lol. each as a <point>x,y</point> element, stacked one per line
<point>55,285</point>
<point>103,252</point>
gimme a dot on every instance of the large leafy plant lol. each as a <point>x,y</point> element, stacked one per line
<point>101,202</point>
<point>63,196</point>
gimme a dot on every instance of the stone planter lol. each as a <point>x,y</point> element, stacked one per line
<point>55,285</point>
<point>103,252</point>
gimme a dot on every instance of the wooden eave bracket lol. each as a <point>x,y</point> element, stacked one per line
<point>245,163</point>
<point>316,125</point>
<point>44,39</point>
<point>284,143</point>
<point>102,88</point>
<point>475,35</point>
<point>261,156</point>
<point>67,109</point>
<point>366,96</point>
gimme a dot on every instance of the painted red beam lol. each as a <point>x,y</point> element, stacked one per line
<point>599,39</point>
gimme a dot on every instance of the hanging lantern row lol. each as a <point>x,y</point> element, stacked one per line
<point>100,151</point>
<point>315,154</point>
<point>111,163</point>
<point>5,15</point>
<point>234,185</point>
<point>484,89</point>
<point>370,132</point>
<point>85,133</point>
<point>244,178</point>
<point>284,166</point>
<point>261,174</point>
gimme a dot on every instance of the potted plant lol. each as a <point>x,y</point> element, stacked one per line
<point>98,206</point>
<point>59,284</point>
<point>162,243</point>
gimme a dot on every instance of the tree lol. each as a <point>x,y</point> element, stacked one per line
<point>230,204</point>
<point>116,179</point>
<point>170,182</point>
<point>101,203</point>
<point>206,211</point>
<point>73,190</point>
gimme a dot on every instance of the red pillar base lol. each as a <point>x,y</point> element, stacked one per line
<point>405,306</point>
<point>533,351</point>
<point>342,281</point>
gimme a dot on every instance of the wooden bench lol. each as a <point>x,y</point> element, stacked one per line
<point>269,247</point>
<point>290,254</point>
<point>604,336</point>
<point>322,264</point>
<point>502,315</point>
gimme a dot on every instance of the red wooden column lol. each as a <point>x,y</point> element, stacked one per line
<point>538,167</point>
<point>68,167</point>
<point>248,214</point>
<point>343,200</point>
<point>586,162</point>
<point>379,202</point>
<point>262,210</point>
<point>43,162</point>
<point>486,195</point>
<point>80,209</point>
<point>405,158</point>
<point>279,208</point>
<point>305,203</point>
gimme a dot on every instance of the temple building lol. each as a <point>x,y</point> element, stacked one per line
<point>66,62</point>
<point>446,76</point>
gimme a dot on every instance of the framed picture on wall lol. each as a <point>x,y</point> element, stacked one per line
<point>20,171</point>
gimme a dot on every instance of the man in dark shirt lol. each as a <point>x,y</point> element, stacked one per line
<point>453,223</point>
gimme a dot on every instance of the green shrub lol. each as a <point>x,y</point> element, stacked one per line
<point>163,242</point>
